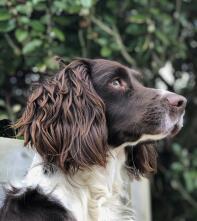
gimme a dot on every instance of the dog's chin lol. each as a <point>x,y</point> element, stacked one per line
<point>169,130</point>
<point>162,133</point>
<point>174,129</point>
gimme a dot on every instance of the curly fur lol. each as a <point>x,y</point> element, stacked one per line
<point>92,126</point>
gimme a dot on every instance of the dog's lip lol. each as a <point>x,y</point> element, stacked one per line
<point>175,129</point>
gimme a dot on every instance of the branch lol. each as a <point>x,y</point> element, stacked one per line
<point>178,186</point>
<point>123,49</point>
<point>9,108</point>
<point>82,43</point>
<point>16,50</point>
<point>117,37</point>
<point>102,26</point>
<point>170,87</point>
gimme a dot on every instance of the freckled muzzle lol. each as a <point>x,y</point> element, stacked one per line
<point>175,109</point>
<point>163,112</point>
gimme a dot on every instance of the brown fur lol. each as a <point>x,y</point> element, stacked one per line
<point>65,120</point>
<point>73,118</point>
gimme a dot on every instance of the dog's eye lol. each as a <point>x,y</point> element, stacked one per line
<point>116,83</point>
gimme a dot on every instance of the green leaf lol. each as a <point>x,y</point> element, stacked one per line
<point>24,20</point>
<point>26,8</point>
<point>136,29</point>
<point>21,35</point>
<point>35,2</point>
<point>105,52</point>
<point>2,102</point>
<point>6,26</point>
<point>31,46</point>
<point>37,26</point>
<point>102,41</point>
<point>138,18</point>
<point>162,37</point>
<point>58,34</point>
<point>4,15</point>
<point>176,148</point>
<point>176,166</point>
<point>2,79</point>
<point>189,180</point>
<point>86,3</point>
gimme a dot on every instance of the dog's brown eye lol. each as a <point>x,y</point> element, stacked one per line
<point>116,83</point>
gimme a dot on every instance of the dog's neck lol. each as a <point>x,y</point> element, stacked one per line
<point>93,194</point>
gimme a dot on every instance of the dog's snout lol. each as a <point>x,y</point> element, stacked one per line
<point>176,100</point>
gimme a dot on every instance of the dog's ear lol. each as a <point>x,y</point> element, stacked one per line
<point>65,120</point>
<point>141,160</point>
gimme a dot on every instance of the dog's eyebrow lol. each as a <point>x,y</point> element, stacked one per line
<point>136,74</point>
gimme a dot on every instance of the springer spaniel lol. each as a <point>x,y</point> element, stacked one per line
<point>91,126</point>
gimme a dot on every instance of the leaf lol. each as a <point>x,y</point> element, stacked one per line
<point>177,167</point>
<point>6,26</point>
<point>189,180</point>
<point>31,46</point>
<point>24,20</point>
<point>105,52</point>
<point>26,8</point>
<point>58,34</point>
<point>21,35</point>
<point>2,79</point>
<point>136,29</point>
<point>4,15</point>
<point>102,41</point>
<point>138,18</point>
<point>35,2</point>
<point>176,148</point>
<point>2,103</point>
<point>162,37</point>
<point>86,3</point>
<point>37,26</point>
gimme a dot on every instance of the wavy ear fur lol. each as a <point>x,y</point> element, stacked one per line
<point>65,120</point>
<point>141,159</point>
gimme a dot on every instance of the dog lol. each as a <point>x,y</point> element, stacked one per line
<point>92,126</point>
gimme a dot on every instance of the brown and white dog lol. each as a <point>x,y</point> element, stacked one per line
<point>91,126</point>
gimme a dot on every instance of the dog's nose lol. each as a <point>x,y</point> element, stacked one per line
<point>176,100</point>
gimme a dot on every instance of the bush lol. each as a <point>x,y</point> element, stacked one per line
<point>144,33</point>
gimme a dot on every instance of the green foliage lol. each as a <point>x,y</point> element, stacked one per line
<point>142,33</point>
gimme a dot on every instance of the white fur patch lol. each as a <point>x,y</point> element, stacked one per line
<point>144,137</point>
<point>91,195</point>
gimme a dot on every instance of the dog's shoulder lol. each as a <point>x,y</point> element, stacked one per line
<point>32,205</point>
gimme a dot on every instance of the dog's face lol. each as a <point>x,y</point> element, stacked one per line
<point>90,106</point>
<point>135,113</point>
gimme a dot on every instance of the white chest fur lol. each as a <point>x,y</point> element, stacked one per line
<point>98,194</point>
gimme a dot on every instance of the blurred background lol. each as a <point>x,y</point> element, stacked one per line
<point>156,36</point>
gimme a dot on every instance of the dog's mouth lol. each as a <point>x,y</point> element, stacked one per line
<point>174,130</point>
<point>169,128</point>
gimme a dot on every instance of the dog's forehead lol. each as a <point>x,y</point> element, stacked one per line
<point>107,66</point>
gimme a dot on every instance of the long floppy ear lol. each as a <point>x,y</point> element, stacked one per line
<point>65,120</point>
<point>141,160</point>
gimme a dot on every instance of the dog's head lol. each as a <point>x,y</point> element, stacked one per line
<point>91,106</point>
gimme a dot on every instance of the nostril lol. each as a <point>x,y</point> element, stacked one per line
<point>176,100</point>
<point>180,103</point>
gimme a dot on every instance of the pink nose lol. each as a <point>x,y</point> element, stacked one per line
<point>176,100</point>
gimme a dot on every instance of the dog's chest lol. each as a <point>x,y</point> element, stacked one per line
<point>99,194</point>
